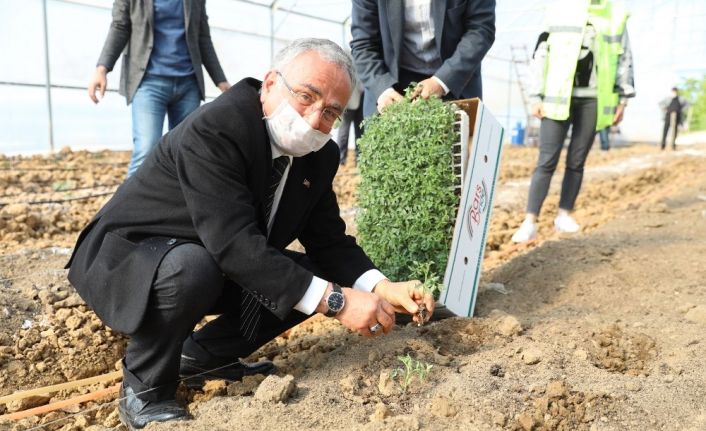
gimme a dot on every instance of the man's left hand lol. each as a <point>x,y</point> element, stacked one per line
<point>427,88</point>
<point>406,297</point>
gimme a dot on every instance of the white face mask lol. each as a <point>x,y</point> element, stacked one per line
<point>292,134</point>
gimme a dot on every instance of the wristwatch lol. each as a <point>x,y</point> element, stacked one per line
<point>335,301</point>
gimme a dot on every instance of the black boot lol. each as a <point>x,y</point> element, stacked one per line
<point>136,413</point>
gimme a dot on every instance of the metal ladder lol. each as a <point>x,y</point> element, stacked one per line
<point>520,63</point>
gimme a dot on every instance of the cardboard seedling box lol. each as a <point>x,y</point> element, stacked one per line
<point>485,143</point>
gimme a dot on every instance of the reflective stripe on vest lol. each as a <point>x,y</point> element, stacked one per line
<point>566,26</point>
<point>610,21</point>
<point>564,48</point>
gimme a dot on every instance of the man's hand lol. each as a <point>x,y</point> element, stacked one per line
<point>427,88</point>
<point>223,86</point>
<point>387,98</point>
<point>99,82</point>
<point>619,111</point>
<point>405,297</point>
<point>537,110</point>
<point>364,310</point>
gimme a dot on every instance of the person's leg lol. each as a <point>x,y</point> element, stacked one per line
<point>552,134</point>
<point>665,131</point>
<point>604,135</point>
<point>584,130</point>
<point>149,106</point>
<point>551,139</point>
<point>187,285</point>
<point>343,133</point>
<point>186,97</point>
<point>357,128</point>
<point>675,129</point>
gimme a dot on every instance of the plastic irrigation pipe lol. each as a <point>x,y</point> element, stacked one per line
<point>60,404</point>
<point>61,386</point>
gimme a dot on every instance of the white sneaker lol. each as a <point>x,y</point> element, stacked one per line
<point>526,232</point>
<point>566,223</point>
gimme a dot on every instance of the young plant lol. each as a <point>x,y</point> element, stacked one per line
<point>431,282</point>
<point>406,190</point>
<point>411,368</point>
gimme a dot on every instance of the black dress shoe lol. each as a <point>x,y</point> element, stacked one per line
<point>194,373</point>
<point>136,413</point>
<point>440,313</point>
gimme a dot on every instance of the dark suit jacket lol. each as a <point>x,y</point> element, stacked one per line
<point>464,31</point>
<point>206,183</point>
<point>132,31</point>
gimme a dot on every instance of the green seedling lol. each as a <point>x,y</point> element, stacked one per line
<point>60,186</point>
<point>411,367</point>
<point>430,285</point>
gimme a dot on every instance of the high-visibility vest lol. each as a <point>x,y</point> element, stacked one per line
<point>566,27</point>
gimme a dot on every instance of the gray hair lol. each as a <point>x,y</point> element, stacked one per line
<point>327,49</point>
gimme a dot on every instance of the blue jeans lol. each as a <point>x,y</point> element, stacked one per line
<point>156,97</point>
<point>605,139</point>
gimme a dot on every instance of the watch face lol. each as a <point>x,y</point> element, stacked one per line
<point>335,301</point>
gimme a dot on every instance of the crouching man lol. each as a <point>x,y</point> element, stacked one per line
<point>201,228</point>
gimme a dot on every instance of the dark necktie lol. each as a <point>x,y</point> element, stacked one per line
<point>249,305</point>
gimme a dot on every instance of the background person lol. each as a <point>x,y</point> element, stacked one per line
<point>202,226</point>
<point>353,115</point>
<point>438,44</point>
<point>674,109</point>
<point>164,47</point>
<point>604,137</point>
<point>582,69</point>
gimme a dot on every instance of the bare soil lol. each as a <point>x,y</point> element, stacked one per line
<point>602,330</point>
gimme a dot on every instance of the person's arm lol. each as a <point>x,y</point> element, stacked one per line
<point>537,69</point>
<point>367,49</point>
<point>625,78</point>
<point>479,23</point>
<point>115,42</point>
<point>209,58</point>
<point>624,81</point>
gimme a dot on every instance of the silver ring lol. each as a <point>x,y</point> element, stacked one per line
<point>376,327</point>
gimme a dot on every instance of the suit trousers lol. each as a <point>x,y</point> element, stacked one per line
<point>552,133</point>
<point>188,286</point>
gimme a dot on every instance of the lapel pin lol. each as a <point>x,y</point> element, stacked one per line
<point>306,183</point>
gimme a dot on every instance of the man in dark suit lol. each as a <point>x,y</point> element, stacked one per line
<point>437,43</point>
<point>202,226</point>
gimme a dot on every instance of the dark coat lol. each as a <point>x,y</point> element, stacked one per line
<point>464,31</point>
<point>206,183</point>
<point>132,33</point>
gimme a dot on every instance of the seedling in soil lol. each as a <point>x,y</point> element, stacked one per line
<point>430,285</point>
<point>412,367</point>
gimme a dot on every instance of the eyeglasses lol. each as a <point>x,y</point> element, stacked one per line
<point>329,114</point>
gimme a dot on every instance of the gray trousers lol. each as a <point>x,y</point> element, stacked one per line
<point>552,133</point>
<point>189,285</point>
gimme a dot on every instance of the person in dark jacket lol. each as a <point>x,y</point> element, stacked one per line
<point>164,42</point>
<point>439,44</point>
<point>674,109</point>
<point>202,227</point>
